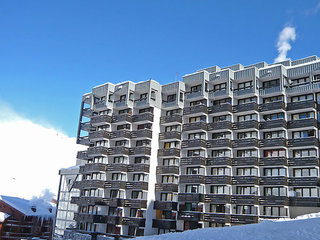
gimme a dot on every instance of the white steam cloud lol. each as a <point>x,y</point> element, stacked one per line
<point>285,36</point>
<point>31,155</point>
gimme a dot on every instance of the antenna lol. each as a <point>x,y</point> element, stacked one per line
<point>176,76</point>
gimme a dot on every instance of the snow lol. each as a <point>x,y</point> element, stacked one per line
<point>303,227</point>
<point>3,216</point>
<point>24,206</point>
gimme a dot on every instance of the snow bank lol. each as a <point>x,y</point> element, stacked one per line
<point>305,228</point>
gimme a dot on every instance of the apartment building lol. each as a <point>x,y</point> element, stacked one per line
<point>226,146</point>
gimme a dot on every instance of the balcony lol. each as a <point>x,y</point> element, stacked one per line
<point>283,181</point>
<point>311,122</point>
<point>118,151</point>
<point>306,88</point>
<point>304,201</point>
<point>279,123</point>
<point>221,93</point>
<point>304,181</point>
<point>141,103</point>
<point>194,126</point>
<point>242,92</point>
<point>274,200</point>
<point>304,161</point>
<point>82,155</point>
<point>193,161</point>
<point>124,104</point>
<point>300,142</point>
<point>97,151</point>
<point>170,135</point>
<point>87,112</point>
<point>272,106</point>
<point>143,117</point>
<point>190,216</point>
<point>254,180</point>
<point>101,134</point>
<point>244,219</point>
<point>167,187</point>
<point>218,143</point>
<point>216,161</point>
<point>243,161</point>
<point>114,220</point>
<point>195,143</point>
<point>217,198</point>
<point>137,185</point>
<point>271,90</point>
<point>273,161</point>
<point>92,167</point>
<point>190,197</point>
<point>218,180</point>
<point>216,217</point>
<point>114,202</point>
<point>245,199</point>
<point>166,104</point>
<point>87,200</point>
<point>165,205</point>
<point>83,140</point>
<point>85,126</point>
<point>88,184</point>
<point>170,152</point>
<point>137,222</point>
<point>117,167</point>
<point>272,142</point>
<point>219,125</point>
<point>171,119</point>
<point>220,108</point>
<point>122,118</point>
<point>100,105</point>
<point>196,179</point>
<point>115,184</point>
<point>245,125</point>
<point>100,120</point>
<point>140,151</point>
<point>245,107</point>
<point>144,133</point>
<point>167,169</point>
<point>195,109</point>
<point>135,203</point>
<point>249,142</point>
<point>139,167</point>
<point>120,134</point>
<point>301,105</point>
<point>198,94</point>
<point>164,224</point>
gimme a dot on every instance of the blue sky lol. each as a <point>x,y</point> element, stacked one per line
<point>52,52</point>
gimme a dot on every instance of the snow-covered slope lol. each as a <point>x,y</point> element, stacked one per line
<point>305,227</point>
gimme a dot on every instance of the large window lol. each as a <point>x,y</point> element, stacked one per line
<point>220,189</point>
<point>118,176</point>
<point>247,117</point>
<point>167,197</point>
<point>304,153</point>
<point>273,99</point>
<point>247,153</point>
<point>303,134</point>
<point>221,135</point>
<point>244,135</point>
<point>275,211</point>
<point>219,87</point>
<point>305,172</point>
<point>274,134</point>
<point>271,84</point>
<point>246,209</point>
<point>196,153</point>
<point>169,179</point>
<point>274,172</point>
<point>247,171</point>
<point>173,128</point>
<point>194,189</point>
<point>199,135</point>
<point>245,85</point>
<point>221,118</point>
<point>170,162</point>
<point>275,191</point>
<point>220,171</point>
<point>247,190</point>
<point>247,100</point>
<point>305,115</point>
<point>198,119</point>
<point>306,192</point>
<point>196,88</point>
<point>273,116</point>
<point>140,177</point>
<point>221,153</point>
<point>302,98</point>
<point>219,208</point>
<point>274,153</point>
<point>195,170</point>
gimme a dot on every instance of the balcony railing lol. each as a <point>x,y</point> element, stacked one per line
<point>266,91</point>
<point>190,95</point>
<point>245,199</point>
<point>194,126</point>
<point>165,205</point>
<point>118,167</point>
<point>217,198</point>
<point>137,185</point>
<point>101,134</point>
<point>118,151</point>
<point>100,120</point>
<point>274,181</point>
<point>274,200</point>
<point>218,179</point>
<point>196,179</point>
<point>120,134</point>
<point>140,150</point>
<point>271,106</point>
<point>144,133</point>
<point>271,142</point>
<point>307,88</point>
<point>301,105</point>
<point>245,180</point>
<point>241,92</point>
<point>304,181</point>
<point>299,142</point>
<point>304,161</point>
<point>169,152</point>
<point>92,167</point>
<point>143,117</point>
<point>215,161</point>
<point>245,125</point>
<point>218,93</point>
<point>219,125</point>
<point>88,184</point>
<point>249,142</point>
<point>190,197</point>
<point>193,161</point>
<point>164,224</point>
<point>311,122</point>
<point>126,117</point>
<point>139,167</point>
<point>87,200</point>
<point>244,219</point>
<point>273,161</point>
<point>190,216</point>
<point>97,151</point>
<point>82,155</point>
<point>242,161</point>
<point>218,143</point>
<point>135,203</point>
<point>245,107</point>
<point>194,143</point>
<point>115,184</point>
<point>220,108</point>
<point>172,118</point>
<point>304,201</point>
<point>137,222</point>
<point>167,169</point>
<point>170,135</point>
<point>216,217</point>
<point>167,187</point>
<point>195,109</point>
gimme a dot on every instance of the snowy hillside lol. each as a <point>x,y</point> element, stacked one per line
<point>304,227</point>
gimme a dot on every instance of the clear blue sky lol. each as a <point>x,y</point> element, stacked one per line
<point>52,52</point>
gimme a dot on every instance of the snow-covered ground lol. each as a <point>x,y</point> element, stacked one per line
<point>306,227</point>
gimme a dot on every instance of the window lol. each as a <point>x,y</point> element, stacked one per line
<point>306,192</point>
<point>302,98</point>
<point>304,153</point>
<point>305,115</point>
<point>199,102</point>
<point>221,118</point>
<point>299,81</point>
<point>153,95</point>
<point>221,135</point>
<point>169,179</point>
<point>171,98</point>
<point>116,193</point>
<point>273,116</point>
<point>303,134</point>
<point>143,159</point>
<point>244,135</point>
<point>271,172</point>
<point>316,77</point>
<point>174,144</point>
<point>194,189</point>
<point>113,211</point>
<point>122,98</point>
<point>196,153</point>
<point>247,117</point>
<point>173,111</point>
<point>247,171</point>
<point>247,190</point>
<point>219,87</point>
<point>220,171</point>
<point>167,197</point>
<point>305,172</point>
<point>140,177</point>
<point>173,128</point>
<point>100,160</point>
<point>200,135</point>
<point>219,208</point>
<point>196,88</point>
<point>271,84</point>
<point>145,142</point>
<point>195,170</point>
<point>123,143</point>
<point>274,153</point>
<point>273,99</point>
<point>274,134</point>
<point>170,162</point>
<point>246,209</point>
<point>247,153</point>
<point>123,111</point>
<point>275,211</point>
<point>143,96</point>
<point>137,195</point>
<point>124,126</point>
<point>198,119</point>
<point>247,100</point>
<point>144,126</point>
<point>103,143</point>
<point>245,85</point>
<point>221,101</point>
<point>121,159</point>
<point>118,176</point>
<point>221,153</point>
<point>144,110</point>
<point>219,189</point>
<point>181,96</point>
<point>275,191</point>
